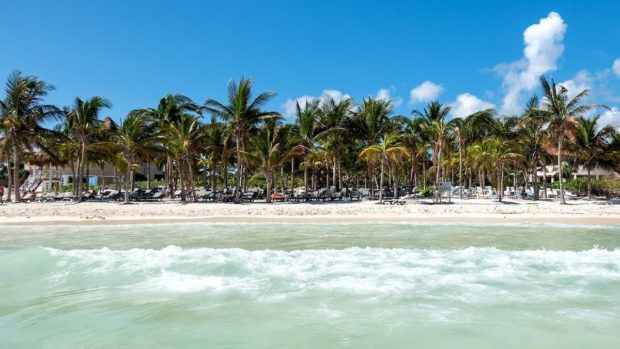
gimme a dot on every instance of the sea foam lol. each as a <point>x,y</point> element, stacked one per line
<point>467,275</point>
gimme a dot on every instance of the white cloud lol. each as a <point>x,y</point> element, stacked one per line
<point>386,94</point>
<point>289,107</point>
<point>383,93</point>
<point>610,117</point>
<point>616,66</point>
<point>336,95</point>
<point>467,104</point>
<point>582,81</point>
<point>425,92</point>
<point>543,47</point>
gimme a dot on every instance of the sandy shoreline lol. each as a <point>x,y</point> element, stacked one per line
<point>478,211</point>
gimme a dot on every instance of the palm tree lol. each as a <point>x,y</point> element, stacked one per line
<point>493,154</point>
<point>592,145</point>
<point>168,113</point>
<point>333,119</point>
<point>22,115</point>
<point>185,138</point>
<point>533,136</point>
<point>241,112</point>
<point>136,138</point>
<point>217,146</point>
<point>307,125</point>
<point>268,153</point>
<point>371,122</point>
<point>438,131</point>
<point>466,131</point>
<point>413,137</point>
<point>560,112</point>
<point>388,150</point>
<point>83,121</point>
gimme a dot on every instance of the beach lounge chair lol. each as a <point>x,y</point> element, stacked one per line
<point>395,201</point>
<point>551,193</point>
<point>250,196</point>
<point>43,197</point>
<point>212,196</point>
<point>88,196</point>
<point>338,195</point>
<point>157,196</point>
<point>277,197</point>
<point>409,198</point>
<point>200,194</point>
<point>68,196</point>
<point>27,197</point>
<point>569,195</point>
<point>113,195</point>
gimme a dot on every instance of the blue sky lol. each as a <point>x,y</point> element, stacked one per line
<point>466,54</point>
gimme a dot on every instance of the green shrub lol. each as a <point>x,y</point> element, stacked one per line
<point>426,192</point>
<point>600,187</point>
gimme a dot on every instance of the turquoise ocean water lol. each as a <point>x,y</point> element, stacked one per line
<point>310,286</point>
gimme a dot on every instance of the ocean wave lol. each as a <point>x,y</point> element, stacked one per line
<point>467,275</point>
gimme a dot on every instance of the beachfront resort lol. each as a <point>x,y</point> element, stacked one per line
<point>216,176</point>
<point>334,150</point>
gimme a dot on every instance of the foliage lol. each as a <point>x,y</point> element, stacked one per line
<point>331,143</point>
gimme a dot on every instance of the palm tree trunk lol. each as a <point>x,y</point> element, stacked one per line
<point>168,173</point>
<point>500,190</point>
<point>372,178</point>
<point>313,179</point>
<point>16,159</point>
<point>132,183</point>
<point>306,172</point>
<point>438,166</point>
<point>460,172</point>
<point>148,175</point>
<point>292,173</point>
<point>589,186</point>
<point>127,174</point>
<point>213,171</point>
<point>77,178</point>
<point>535,178</point>
<point>8,174</point>
<point>381,184</point>
<point>334,170</point>
<point>514,182</point>
<point>395,184</point>
<point>326,174</point>
<point>560,138</point>
<point>424,173</point>
<point>192,186</point>
<point>282,179</point>
<point>238,173</point>
<point>544,180</point>
<point>269,178</point>
<point>102,176</point>
<point>411,174</point>
<point>80,169</point>
<point>339,175</point>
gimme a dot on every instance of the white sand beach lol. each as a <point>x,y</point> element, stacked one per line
<point>509,211</point>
